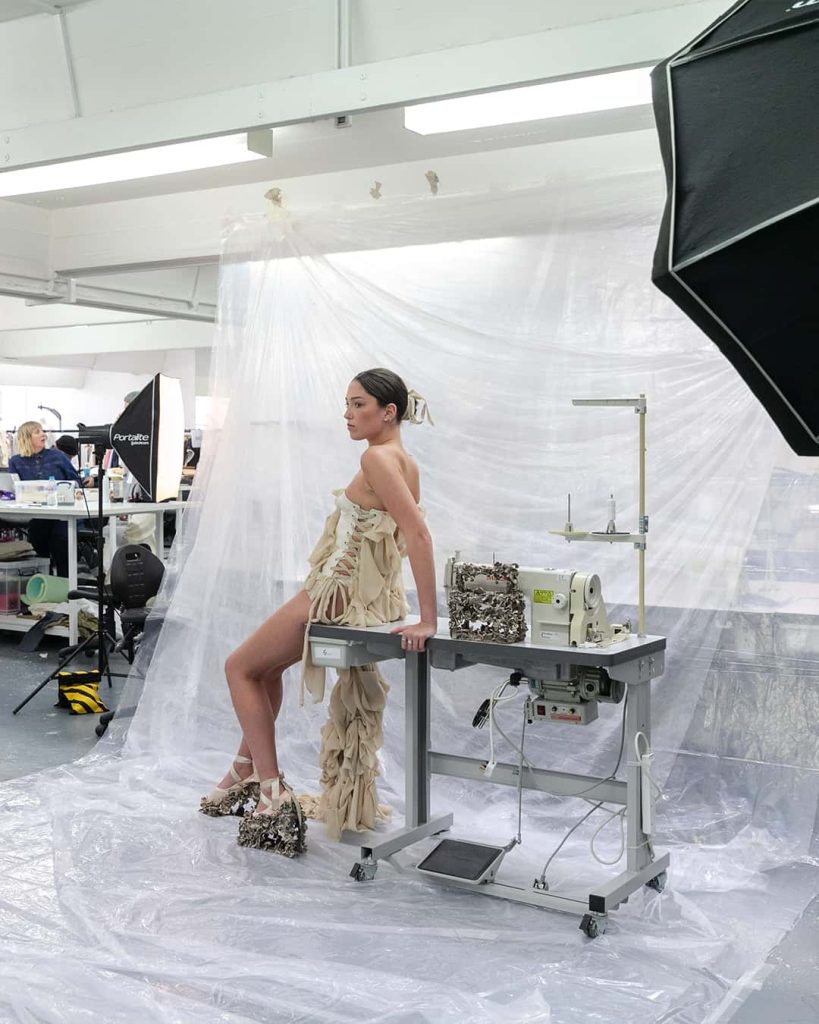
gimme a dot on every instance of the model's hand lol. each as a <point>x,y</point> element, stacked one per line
<point>414,637</point>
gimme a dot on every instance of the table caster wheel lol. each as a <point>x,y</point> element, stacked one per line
<point>592,925</point>
<point>363,872</point>
<point>658,882</point>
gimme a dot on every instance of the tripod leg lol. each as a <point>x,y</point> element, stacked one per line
<point>106,662</point>
<point>54,674</point>
<point>33,693</point>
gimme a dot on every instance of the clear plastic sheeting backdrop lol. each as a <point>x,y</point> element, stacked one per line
<point>121,903</point>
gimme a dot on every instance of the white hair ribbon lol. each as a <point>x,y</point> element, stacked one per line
<point>417,409</point>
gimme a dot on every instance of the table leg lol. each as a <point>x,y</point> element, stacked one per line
<point>638,719</point>
<point>73,632</point>
<point>416,730</point>
<point>160,535</point>
<point>111,542</point>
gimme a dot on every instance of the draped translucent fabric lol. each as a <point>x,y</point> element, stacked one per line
<point>120,902</point>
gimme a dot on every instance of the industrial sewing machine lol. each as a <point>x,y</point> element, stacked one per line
<point>550,679</point>
<point>573,660</point>
<point>564,606</point>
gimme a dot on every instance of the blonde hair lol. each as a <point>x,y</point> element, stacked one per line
<point>24,432</point>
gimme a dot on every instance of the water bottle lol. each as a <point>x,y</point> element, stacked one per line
<point>51,498</point>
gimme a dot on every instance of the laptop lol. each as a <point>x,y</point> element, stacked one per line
<point>7,481</point>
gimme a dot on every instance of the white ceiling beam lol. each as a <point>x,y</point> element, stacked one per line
<point>187,228</point>
<point>17,315</point>
<point>24,239</point>
<point>43,7</point>
<point>575,50</point>
<point>69,65</point>
<point>144,336</point>
<point>59,289</point>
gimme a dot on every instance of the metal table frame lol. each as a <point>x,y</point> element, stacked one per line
<point>72,514</point>
<point>635,661</point>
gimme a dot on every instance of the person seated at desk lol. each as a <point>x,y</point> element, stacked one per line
<point>48,537</point>
<point>69,447</point>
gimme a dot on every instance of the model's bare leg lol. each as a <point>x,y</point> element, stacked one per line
<point>253,673</point>
<point>242,763</point>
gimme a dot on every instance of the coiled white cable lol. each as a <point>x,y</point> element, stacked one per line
<point>621,814</point>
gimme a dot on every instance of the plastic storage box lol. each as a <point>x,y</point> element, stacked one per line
<point>14,577</point>
<point>35,492</point>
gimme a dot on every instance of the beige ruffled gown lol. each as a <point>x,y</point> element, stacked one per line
<point>355,580</point>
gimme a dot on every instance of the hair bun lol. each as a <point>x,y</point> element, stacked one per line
<point>417,409</point>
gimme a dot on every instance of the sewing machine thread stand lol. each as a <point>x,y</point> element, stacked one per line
<point>569,533</point>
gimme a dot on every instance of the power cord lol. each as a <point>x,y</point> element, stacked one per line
<point>496,698</point>
<point>621,814</point>
<point>540,881</point>
<point>486,712</point>
<point>518,839</point>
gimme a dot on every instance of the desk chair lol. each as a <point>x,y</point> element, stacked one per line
<point>87,545</point>
<point>135,577</point>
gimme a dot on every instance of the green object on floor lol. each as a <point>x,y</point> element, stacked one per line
<point>46,589</point>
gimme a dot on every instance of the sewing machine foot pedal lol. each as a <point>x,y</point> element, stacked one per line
<point>593,925</point>
<point>463,861</point>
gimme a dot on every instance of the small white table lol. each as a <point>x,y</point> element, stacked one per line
<point>72,514</point>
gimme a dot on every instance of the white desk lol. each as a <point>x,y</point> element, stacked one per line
<point>72,514</point>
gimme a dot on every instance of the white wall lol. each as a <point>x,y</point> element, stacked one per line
<point>98,399</point>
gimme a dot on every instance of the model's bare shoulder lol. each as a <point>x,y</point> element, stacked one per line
<point>381,457</point>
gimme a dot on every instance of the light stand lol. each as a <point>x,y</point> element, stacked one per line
<point>55,413</point>
<point>100,635</point>
<point>148,436</point>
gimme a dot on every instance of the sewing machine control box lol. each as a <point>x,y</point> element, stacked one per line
<point>579,712</point>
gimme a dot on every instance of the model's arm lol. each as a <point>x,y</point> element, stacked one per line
<point>383,475</point>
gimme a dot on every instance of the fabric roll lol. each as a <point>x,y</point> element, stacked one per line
<point>42,589</point>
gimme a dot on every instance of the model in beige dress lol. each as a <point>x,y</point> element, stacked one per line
<point>355,579</point>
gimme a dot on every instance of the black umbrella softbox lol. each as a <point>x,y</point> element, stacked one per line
<point>738,249</point>
<point>149,437</point>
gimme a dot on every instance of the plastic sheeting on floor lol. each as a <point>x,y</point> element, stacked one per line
<point>120,903</point>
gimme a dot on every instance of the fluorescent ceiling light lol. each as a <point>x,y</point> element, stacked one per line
<point>532,102</point>
<point>139,163</point>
